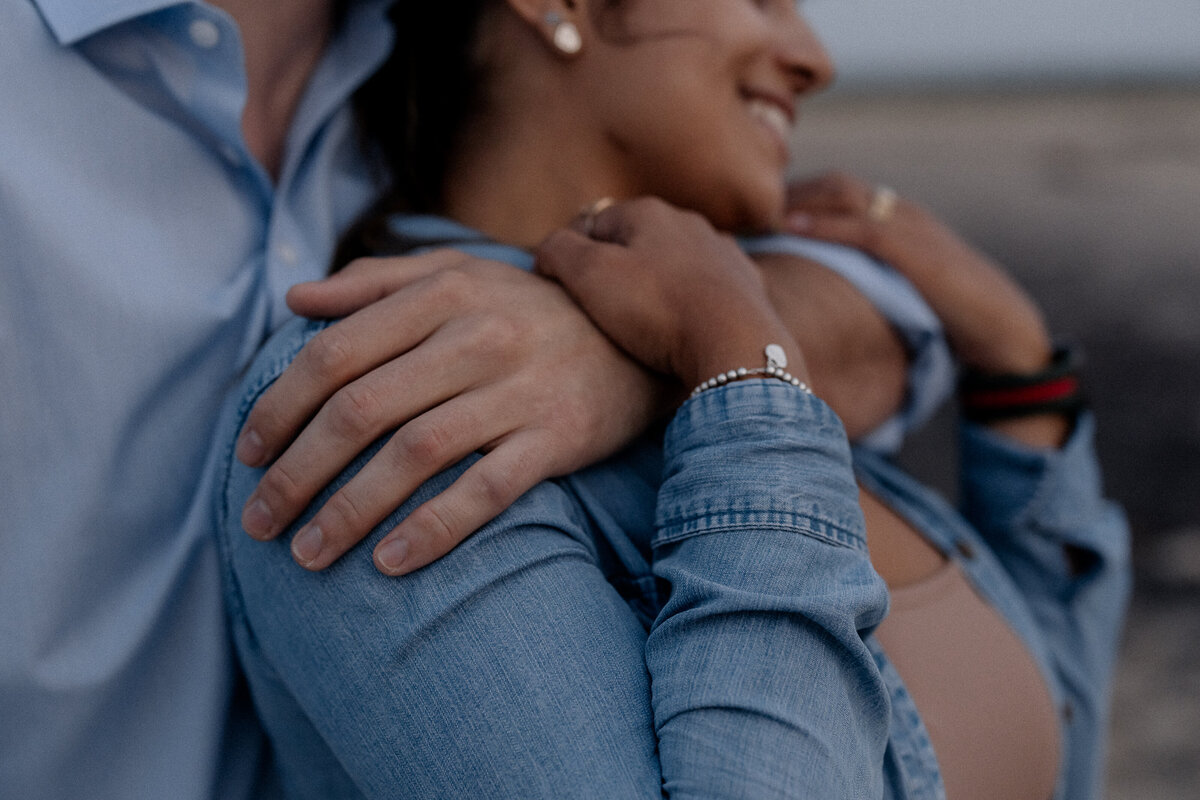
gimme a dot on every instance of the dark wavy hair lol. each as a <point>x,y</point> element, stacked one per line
<point>411,111</point>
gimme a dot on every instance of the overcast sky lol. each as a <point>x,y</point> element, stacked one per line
<point>1025,39</point>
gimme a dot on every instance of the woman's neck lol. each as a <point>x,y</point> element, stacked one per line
<point>519,178</point>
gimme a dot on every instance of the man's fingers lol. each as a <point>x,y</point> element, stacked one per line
<point>341,353</point>
<point>419,450</point>
<point>355,416</point>
<point>364,281</point>
<point>480,494</point>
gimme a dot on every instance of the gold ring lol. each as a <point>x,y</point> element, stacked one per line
<point>882,205</point>
<point>589,214</point>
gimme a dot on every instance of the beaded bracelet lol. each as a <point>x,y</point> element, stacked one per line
<point>775,368</point>
<point>1055,389</point>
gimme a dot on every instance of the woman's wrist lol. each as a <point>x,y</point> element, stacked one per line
<point>776,368</point>
<point>1053,388</point>
<point>744,353</point>
<point>1037,407</point>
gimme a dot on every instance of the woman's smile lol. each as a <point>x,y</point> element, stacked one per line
<point>774,114</point>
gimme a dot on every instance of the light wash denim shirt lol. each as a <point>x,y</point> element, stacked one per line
<point>694,616</point>
<point>144,257</point>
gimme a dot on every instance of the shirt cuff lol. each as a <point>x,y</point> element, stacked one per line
<point>1009,487</point>
<point>758,454</point>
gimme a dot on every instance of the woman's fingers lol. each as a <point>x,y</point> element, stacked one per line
<point>853,231</point>
<point>989,320</point>
<point>674,293</point>
<point>831,193</point>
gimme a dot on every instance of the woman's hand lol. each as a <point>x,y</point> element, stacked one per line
<point>991,323</point>
<point>668,289</point>
<point>459,354</point>
<point>852,351</point>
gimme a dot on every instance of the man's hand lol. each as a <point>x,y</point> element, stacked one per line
<point>459,354</point>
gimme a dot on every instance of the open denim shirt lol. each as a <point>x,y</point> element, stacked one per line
<point>693,616</point>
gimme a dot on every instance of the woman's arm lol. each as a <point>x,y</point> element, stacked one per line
<point>993,326</point>
<point>758,504</point>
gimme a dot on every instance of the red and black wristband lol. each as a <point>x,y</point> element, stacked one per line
<point>1057,389</point>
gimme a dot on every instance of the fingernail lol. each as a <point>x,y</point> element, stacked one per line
<point>257,520</point>
<point>307,544</point>
<point>390,554</point>
<point>798,222</point>
<point>250,450</point>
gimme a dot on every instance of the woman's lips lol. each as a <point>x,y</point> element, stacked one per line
<point>772,114</point>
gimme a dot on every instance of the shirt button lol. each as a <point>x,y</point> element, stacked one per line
<point>287,254</point>
<point>231,154</point>
<point>204,33</point>
<point>965,549</point>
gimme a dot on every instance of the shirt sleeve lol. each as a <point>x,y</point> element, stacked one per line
<point>762,684</point>
<point>1044,510</point>
<point>1044,514</point>
<point>512,668</point>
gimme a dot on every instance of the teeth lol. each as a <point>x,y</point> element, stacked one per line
<point>772,115</point>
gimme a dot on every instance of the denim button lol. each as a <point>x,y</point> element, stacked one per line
<point>965,549</point>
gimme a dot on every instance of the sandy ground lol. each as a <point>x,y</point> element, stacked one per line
<point>1093,200</point>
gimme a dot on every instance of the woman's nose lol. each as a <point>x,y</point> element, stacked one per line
<point>804,58</point>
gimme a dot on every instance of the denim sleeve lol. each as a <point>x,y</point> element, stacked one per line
<point>511,668</point>
<point>1044,514</point>
<point>762,685</point>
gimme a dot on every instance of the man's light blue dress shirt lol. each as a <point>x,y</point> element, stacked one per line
<point>144,256</point>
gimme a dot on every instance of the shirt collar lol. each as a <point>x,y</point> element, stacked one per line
<point>74,20</point>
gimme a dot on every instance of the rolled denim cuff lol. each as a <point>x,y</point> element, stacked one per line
<point>1009,488</point>
<point>758,454</point>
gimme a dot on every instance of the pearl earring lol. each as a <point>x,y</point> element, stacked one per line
<point>565,35</point>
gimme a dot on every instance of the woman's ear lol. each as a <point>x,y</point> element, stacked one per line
<point>557,22</point>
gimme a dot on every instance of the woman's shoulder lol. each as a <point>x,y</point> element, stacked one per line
<point>277,353</point>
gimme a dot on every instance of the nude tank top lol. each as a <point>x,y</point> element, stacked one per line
<point>983,700</point>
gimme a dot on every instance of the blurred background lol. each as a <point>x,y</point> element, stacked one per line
<point>1063,138</point>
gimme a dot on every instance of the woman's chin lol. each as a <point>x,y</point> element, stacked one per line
<point>734,207</point>
<point>758,213</point>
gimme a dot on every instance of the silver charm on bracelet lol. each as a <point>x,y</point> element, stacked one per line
<point>776,368</point>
